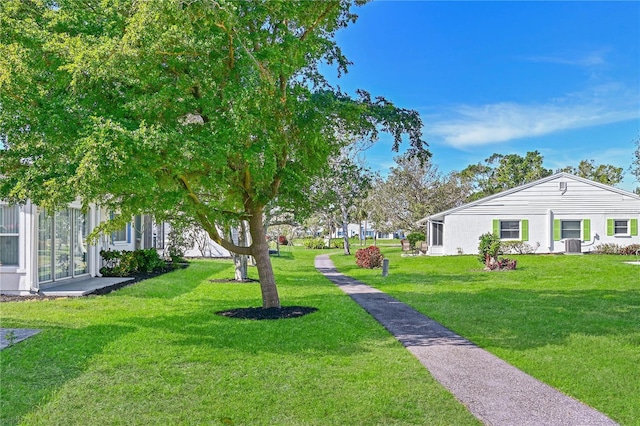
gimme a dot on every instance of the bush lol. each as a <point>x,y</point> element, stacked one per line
<point>124,263</point>
<point>518,247</point>
<point>369,257</point>
<point>610,248</point>
<point>488,248</point>
<point>631,249</point>
<point>414,237</point>
<point>503,264</point>
<point>313,243</point>
<point>282,240</point>
<point>607,248</point>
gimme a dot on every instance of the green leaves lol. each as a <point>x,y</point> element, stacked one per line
<point>214,109</point>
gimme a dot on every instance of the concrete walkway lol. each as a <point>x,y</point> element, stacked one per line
<point>494,391</point>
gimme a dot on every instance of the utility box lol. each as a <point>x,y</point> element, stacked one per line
<point>572,246</point>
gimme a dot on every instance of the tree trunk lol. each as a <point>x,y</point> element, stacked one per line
<point>345,229</point>
<point>241,260</point>
<point>260,252</point>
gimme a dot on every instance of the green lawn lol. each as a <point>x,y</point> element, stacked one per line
<point>571,321</point>
<point>155,353</point>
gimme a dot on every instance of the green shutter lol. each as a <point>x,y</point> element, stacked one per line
<point>496,227</point>
<point>586,230</point>
<point>609,227</point>
<point>524,224</point>
<point>556,229</point>
<point>634,227</point>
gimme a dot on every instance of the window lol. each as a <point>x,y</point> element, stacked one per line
<point>437,230</point>
<point>622,227</point>
<point>570,229</point>
<point>509,230</point>
<point>9,235</point>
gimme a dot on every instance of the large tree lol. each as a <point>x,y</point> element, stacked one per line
<point>603,173</point>
<point>210,108</point>
<point>501,172</point>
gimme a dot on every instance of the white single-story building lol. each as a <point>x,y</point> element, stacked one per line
<point>561,212</point>
<point>40,251</point>
<point>365,229</point>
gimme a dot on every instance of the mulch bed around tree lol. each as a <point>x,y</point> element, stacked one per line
<point>268,313</point>
<point>233,280</point>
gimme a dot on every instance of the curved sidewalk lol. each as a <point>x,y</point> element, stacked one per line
<point>495,392</point>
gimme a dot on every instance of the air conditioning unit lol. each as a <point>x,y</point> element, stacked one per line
<point>572,246</point>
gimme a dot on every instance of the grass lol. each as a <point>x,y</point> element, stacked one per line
<point>571,321</point>
<point>155,353</point>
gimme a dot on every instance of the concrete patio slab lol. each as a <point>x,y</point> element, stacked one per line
<point>82,286</point>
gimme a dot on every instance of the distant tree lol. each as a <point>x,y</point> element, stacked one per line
<point>339,190</point>
<point>603,173</point>
<point>501,172</point>
<point>411,191</point>
<point>211,108</point>
<point>635,163</point>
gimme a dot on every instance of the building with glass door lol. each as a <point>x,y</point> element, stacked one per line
<point>39,250</point>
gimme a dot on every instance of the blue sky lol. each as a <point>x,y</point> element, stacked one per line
<point>509,77</point>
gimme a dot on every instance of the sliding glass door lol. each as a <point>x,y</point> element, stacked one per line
<point>62,245</point>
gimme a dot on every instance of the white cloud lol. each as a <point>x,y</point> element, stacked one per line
<point>590,59</point>
<point>468,125</point>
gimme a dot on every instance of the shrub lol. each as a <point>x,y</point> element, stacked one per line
<point>503,264</point>
<point>282,240</point>
<point>313,243</point>
<point>369,257</point>
<point>631,249</point>
<point>414,237</point>
<point>488,248</point>
<point>607,248</point>
<point>610,248</point>
<point>518,247</point>
<point>124,263</point>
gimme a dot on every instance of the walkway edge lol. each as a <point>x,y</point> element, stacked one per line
<point>494,391</point>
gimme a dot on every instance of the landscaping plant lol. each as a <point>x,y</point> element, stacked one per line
<point>369,257</point>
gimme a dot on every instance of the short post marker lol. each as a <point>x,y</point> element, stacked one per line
<point>385,267</point>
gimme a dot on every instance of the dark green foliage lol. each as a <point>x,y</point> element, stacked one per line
<point>488,248</point>
<point>603,173</point>
<point>369,257</point>
<point>125,263</point>
<point>414,237</point>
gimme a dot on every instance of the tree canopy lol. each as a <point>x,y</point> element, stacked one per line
<point>603,173</point>
<point>501,172</point>
<point>411,191</point>
<point>210,108</point>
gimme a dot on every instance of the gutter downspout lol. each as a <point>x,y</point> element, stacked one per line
<point>550,230</point>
